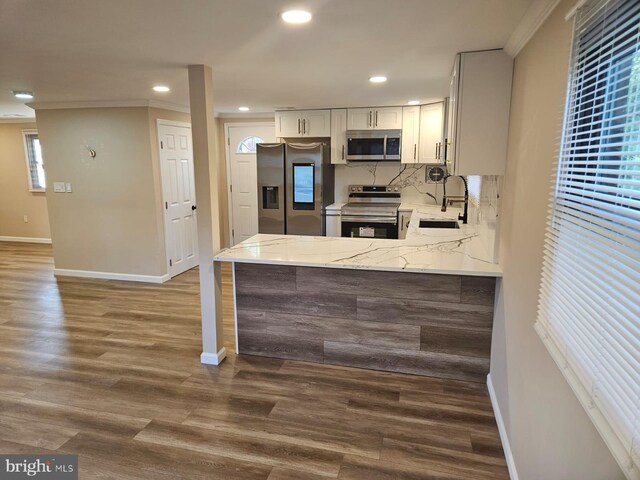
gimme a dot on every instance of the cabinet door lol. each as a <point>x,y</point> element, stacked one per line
<point>431,132</point>
<point>333,227</point>
<point>338,136</point>
<point>288,124</point>
<point>316,123</point>
<point>410,134</point>
<point>449,150</point>
<point>403,224</point>
<point>359,119</point>
<point>387,118</point>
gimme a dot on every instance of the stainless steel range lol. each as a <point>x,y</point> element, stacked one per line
<point>372,212</point>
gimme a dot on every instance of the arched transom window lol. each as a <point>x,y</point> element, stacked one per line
<point>248,144</point>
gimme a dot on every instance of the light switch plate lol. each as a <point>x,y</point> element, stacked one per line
<point>59,187</point>
<point>68,188</point>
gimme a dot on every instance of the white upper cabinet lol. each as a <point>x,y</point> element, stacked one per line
<point>410,134</point>
<point>339,136</point>
<point>480,100</point>
<point>303,123</point>
<point>317,123</point>
<point>374,118</point>
<point>432,122</point>
<point>288,124</point>
<point>387,118</point>
<point>359,118</point>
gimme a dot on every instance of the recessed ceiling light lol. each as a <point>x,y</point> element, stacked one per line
<point>296,16</point>
<point>413,102</point>
<point>243,109</point>
<point>378,79</point>
<point>161,88</point>
<point>23,95</point>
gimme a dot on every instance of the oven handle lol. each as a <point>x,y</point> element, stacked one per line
<point>358,219</point>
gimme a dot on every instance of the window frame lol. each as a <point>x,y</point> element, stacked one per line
<point>25,142</point>
<point>592,98</point>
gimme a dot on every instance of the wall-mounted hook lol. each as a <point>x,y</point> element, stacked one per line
<point>92,152</point>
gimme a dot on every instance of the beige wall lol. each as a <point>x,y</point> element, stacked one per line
<point>550,434</point>
<point>110,223</point>
<point>16,200</point>
<point>222,173</point>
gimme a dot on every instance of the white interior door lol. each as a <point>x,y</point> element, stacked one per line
<point>176,164</point>
<point>243,176</point>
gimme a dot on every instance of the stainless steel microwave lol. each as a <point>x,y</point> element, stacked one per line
<point>373,145</point>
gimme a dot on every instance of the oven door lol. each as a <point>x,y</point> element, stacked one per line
<point>369,227</point>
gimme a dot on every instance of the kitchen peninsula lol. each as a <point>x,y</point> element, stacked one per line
<point>422,305</point>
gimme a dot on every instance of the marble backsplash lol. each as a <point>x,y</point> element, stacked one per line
<point>410,177</point>
<point>484,198</point>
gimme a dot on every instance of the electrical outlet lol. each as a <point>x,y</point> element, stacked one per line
<point>25,219</point>
<point>68,188</point>
<point>58,187</point>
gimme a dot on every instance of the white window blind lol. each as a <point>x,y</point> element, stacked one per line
<point>589,306</point>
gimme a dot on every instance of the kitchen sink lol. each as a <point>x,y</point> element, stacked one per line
<point>426,223</point>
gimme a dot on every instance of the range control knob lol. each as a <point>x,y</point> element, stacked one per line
<point>359,189</point>
<point>395,189</point>
<point>353,189</point>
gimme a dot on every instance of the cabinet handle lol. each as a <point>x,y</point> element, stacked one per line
<point>342,152</point>
<point>304,126</point>
<point>415,150</point>
<point>370,118</point>
<point>376,118</point>
<point>436,150</point>
<point>446,144</point>
<point>299,129</point>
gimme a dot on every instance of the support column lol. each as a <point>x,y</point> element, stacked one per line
<point>206,181</point>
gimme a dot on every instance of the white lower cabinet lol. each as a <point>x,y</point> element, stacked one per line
<point>333,227</point>
<point>403,223</point>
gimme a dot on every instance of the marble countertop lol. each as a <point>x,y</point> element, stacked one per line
<point>441,251</point>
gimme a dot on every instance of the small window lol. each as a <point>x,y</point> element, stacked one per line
<point>248,145</point>
<point>35,165</point>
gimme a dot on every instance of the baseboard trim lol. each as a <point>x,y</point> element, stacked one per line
<point>213,358</point>
<point>128,277</point>
<point>506,446</point>
<point>25,239</point>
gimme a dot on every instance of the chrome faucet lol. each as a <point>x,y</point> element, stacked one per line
<point>451,199</point>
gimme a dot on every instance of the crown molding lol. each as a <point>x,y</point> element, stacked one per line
<point>533,19</point>
<point>270,115</point>
<point>109,104</point>
<point>18,120</point>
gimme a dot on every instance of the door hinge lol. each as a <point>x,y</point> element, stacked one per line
<point>170,263</point>
<point>166,205</point>
<point>233,233</point>
<point>231,188</point>
<point>228,141</point>
<point>161,145</point>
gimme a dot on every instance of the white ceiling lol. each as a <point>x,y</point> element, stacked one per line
<point>115,50</point>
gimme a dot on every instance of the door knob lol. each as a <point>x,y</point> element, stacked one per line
<point>193,207</point>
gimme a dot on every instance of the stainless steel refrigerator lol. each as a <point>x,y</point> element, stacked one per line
<point>295,185</point>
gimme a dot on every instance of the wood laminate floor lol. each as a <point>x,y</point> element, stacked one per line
<point>110,371</point>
